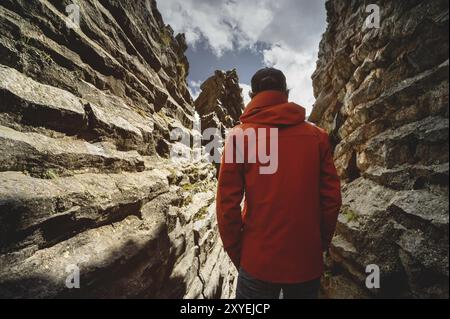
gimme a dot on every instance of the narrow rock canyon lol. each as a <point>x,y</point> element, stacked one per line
<point>86,178</point>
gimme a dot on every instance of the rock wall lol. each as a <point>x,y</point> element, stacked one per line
<point>382,94</point>
<point>85,179</point>
<point>220,103</point>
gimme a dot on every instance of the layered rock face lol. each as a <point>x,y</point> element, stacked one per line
<point>220,103</point>
<point>85,175</point>
<point>382,94</point>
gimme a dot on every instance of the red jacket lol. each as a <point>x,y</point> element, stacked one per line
<point>288,217</point>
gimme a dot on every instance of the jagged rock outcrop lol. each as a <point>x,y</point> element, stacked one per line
<point>220,103</point>
<point>382,94</point>
<point>85,174</point>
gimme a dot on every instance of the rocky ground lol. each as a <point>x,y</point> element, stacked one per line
<point>382,94</point>
<point>85,174</point>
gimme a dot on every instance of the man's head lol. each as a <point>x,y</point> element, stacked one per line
<point>268,79</point>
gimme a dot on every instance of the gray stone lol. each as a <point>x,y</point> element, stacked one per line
<point>85,179</point>
<point>382,94</point>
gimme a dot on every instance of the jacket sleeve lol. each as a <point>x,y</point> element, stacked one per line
<point>230,192</point>
<point>330,192</point>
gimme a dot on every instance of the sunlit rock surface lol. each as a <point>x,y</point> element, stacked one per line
<point>382,94</point>
<point>85,174</point>
<point>220,103</point>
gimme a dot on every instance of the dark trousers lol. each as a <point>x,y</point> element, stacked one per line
<point>251,288</point>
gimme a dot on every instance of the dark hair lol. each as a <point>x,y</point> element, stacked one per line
<point>268,79</point>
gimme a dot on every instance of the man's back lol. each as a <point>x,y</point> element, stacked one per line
<point>290,213</point>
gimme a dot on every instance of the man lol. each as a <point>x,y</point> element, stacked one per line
<point>289,214</point>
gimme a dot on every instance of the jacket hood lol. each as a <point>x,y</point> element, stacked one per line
<point>273,108</point>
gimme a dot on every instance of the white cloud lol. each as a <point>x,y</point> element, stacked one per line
<point>245,90</point>
<point>291,28</point>
<point>194,89</point>
<point>298,68</point>
<point>224,24</point>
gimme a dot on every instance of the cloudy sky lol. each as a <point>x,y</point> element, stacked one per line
<point>248,35</point>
